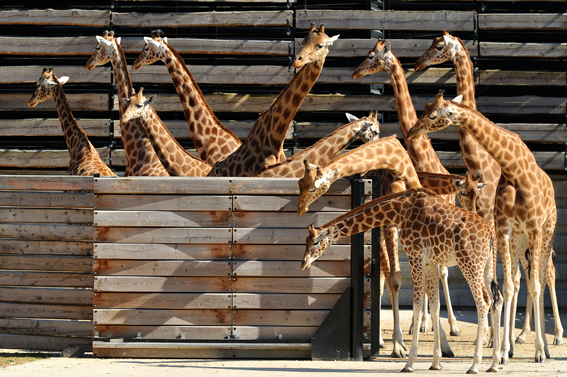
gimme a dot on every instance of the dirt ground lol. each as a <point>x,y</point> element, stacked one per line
<point>521,365</point>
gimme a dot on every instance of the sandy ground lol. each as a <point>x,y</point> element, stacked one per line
<point>521,365</point>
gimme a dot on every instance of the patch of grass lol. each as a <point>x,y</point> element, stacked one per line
<point>8,359</point>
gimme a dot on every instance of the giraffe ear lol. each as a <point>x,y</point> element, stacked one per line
<point>332,39</point>
<point>481,185</point>
<point>458,99</point>
<point>102,41</point>
<point>151,99</point>
<point>126,101</point>
<point>458,184</point>
<point>351,118</point>
<point>118,40</point>
<point>387,48</point>
<point>164,39</point>
<point>63,80</point>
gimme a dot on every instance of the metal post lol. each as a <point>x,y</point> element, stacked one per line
<point>375,303</point>
<point>357,274</point>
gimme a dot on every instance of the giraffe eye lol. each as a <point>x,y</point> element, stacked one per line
<point>146,48</point>
<point>370,56</point>
<point>140,105</point>
<point>432,116</point>
<point>321,45</point>
<point>439,47</point>
<point>98,47</point>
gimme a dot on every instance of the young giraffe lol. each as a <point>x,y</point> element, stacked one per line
<point>264,144</point>
<point>84,159</point>
<point>141,158</point>
<point>213,141</point>
<point>433,232</point>
<point>173,156</point>
<point>327,148</point>
<point>531,214</point>
<point>421,152</point>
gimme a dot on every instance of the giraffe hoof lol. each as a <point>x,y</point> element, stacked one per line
<point>407,370</point>
<point>520,340</point>
<point>503,361</point>
<point>547,355</point>
<point>455,333</point>
<point>540,359</point>
<point>558,341</point>
<point>490,344</point>
<point>510,354</point>
<point>435,367</point>
<point>382,345</point>
<point>397,354</point>
<point>492,369</point>
<point>472,371</point>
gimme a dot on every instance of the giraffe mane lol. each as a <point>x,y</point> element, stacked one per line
<point>127,78</point>
<point>440,175</point>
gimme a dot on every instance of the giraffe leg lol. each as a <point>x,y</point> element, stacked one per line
<point>495,313</point>
<point>476,284</point>
<point>550,277</point>
<point>418,277</point>
<point>535,287</point>
<point>444,275</point>
<point>527,329</point>
<point>432,290</point>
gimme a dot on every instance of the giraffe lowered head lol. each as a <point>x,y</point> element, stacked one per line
<point>468,192</point>
<point>442,49</point>
<point>137,106</point>
<point>314,183</point>
<point>316,244</point>
<point>45,86</point>
<point>378,59</point>
<point>155,49</point>
<point>315,47</point>
<point>437,116</point>
<point>104,50</point>
<point>368,125</point>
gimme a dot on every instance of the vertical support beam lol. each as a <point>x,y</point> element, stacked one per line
<point>375,304</point>
<point>357,275</point>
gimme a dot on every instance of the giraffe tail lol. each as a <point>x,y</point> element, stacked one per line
<point>495,291</point>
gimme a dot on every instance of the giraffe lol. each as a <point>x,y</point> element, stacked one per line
<point>84,159</point>
<point>214,142</point>
<point>529,218</point>
<point>327,148</point>
<point>420,150</point>
<point>141,158</point>
<point>264,144</point>
<point>433,232</point>
<point>173,156</point>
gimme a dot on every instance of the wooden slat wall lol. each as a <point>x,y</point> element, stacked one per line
<point>236,274</point>
<point>45,261</point>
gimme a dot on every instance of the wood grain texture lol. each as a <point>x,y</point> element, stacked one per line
<point>160,317</point>
<point>107,300</point>
<point>161,284</point>
<point>75,17</point>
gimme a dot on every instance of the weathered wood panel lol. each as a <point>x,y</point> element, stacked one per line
<point>46,296</point>
<point>162,218</point>
<point>31,342</point>
<point>291,269</point>
<point>43,247</point>
<point>9,310</point>
<point>46,263</point>
<point>282,220</point>
<point>59,328</point>
<point>160,235</point>
<point>285,301</point>
<point>330,203</point>
<point>162,202</point>
<point>524,50</point>
<point>288,252</point>
<point>161,268</point>
<point>76,74</point>
<point>161,284</point>
<point>46,215</point>
<point>530,21</point>
<point>290,285</point>
<point>74,17</point>
<point>267,333</point>
<point>83,101</point>
<point>163,332</point>
<point>163,300</point>
<point>161,317</point>
<point>41,158</point>
<point>45,279</point>
<point>46,232</point>
<point>161,251</point>
<point>279,318</point>
<point>45,183</point>
<point>274,235</point>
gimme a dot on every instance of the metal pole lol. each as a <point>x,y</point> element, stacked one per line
<point>357,274</point>
<point>375,304</point>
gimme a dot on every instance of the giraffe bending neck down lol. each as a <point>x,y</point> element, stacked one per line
<point>213,141</point>
<point>173,156</point>
<point>140,156</point>
<point>84,159</point>
<point>264,144</point>
<point>425,220</point>
<point>327,148</point>
<point>531,214</point>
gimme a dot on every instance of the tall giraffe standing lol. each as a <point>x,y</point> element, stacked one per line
<point>531,214</point>
<point>433,232</point>
<point>84,159</point>
<point>327,148</point>
<point>141,158</point>
<point>173,156</point>
<point>264,144</point>
<point>421,152</point>
<point>213,141</point>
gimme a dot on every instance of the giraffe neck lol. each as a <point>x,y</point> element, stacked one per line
<point>176,160</point>
<point>420,149</point>
<point>200,118</point>
<point>464,72</point>
<point>121,77</point>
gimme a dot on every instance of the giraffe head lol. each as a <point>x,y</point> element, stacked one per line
<point>315,46</point>
<point>45,86</point>
<point>104,50</point>
<point>313,184</point>
<point>368,125</point>
<point>442,49</point>
<point>469,191</point>
<point>378,59</point>
<point>137,106</point>
<point>437,116</point>
<point>155,49</point>
<point>316,244</point>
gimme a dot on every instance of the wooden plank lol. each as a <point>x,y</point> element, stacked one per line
<point>162,218</point>
<point>77,101</point>
<point>522,105</point>
<point>161,317</point>
<point>330,203</point>
<point>65,248</point>
<point>159,235</point>
<point>46,232</point>
<point>38,342</point>
<point>46,327</point>
<point>197,203</point>
<point>279,317</point>
<point>45,279</point>
<point>276,236</point>
<point>291,269</point>
<point>290,285</point>
<point>267,333</point>
<point>161,251</point>
<point>224,1</point>
<point>9,310</point>
<point>163,300</point>
<point>516,21</point>
<point>41,158</point>
<point>161,268</point>
<point>161,284</point>
<point>76,74</point>
<point>52,127</point>
<point>282,220</point>
<point>289,252</point>
<point>163,332</point>
<point>46,296</point>
<point>199,19</point>
<point>285,301</point>
<point>46,263</point>
<point>46,183</point>
<point>70,17</point>
<point>46,215</point>
<point>523,50</point>
<point>387,20</point>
